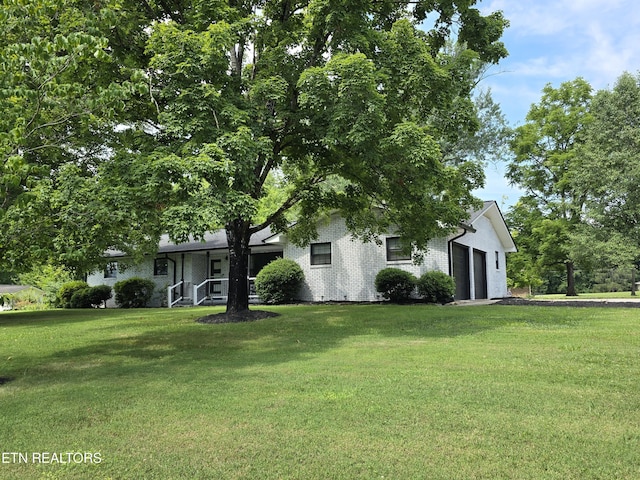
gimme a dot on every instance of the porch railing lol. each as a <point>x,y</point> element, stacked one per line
<point>173,295</point>
<point>218,289</point>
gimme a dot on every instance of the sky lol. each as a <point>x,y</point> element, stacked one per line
<point>554,41</point>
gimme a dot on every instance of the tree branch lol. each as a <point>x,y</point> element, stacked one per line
<point>294,198</point>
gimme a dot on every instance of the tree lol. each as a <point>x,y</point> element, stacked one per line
<point>66,81</point>
<point>344,104</point>
<point>545,150</point>
<point>610,176</point>
<point>523,267</point>
<point>488,144</point>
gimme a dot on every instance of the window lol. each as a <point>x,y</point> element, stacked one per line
<point>497,260</point>
<point>161,266</point>
<point>111,270</point>
<point>257,261</point>
<point>321,254</point>
<point>394,250</point>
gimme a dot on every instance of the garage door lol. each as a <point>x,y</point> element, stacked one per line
<point>480,274</point>
<point>461,272</point>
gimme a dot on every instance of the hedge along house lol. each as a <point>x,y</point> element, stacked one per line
<point>336,266</point>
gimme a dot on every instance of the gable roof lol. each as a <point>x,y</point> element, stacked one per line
<point>491,211</point>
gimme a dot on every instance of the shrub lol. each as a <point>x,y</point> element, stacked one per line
<point>66,292</point>
<point>91,296</point>
<point>134,292</point>
<point>279,281</point>
<point>395,285</point>
<point>100,294</point>
<point>81,298</point>
<point>436,287</point>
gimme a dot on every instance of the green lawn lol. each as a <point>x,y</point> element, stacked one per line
<point>323,392</point>
<point>603,296</point>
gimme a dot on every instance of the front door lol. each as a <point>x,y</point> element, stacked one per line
<point>215,287</point>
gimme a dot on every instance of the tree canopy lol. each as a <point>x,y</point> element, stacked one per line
<point>610,175</point>
<point>129,118</point>
<point>545,150</point>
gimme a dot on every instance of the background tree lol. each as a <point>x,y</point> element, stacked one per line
<point>545,150</point>
<point>197,108</point>
<point>67,80</point>
<point>489,143</point>
<point>609,178</point>
<point>523,267</point>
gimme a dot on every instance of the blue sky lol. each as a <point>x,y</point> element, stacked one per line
<point>553,42</point>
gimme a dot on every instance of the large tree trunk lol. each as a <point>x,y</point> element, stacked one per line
<point>571,281</point>
<point>238,240</point>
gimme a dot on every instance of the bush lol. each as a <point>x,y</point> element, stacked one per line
<point>100,294</point>
<point>134,292</point>
<point>81,298</point>
<point>279,281</point>
<point>436,287</point>
<point>91,296</point>
<point>395,285</point>
<point>66,292</point>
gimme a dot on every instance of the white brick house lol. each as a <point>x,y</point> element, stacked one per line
<point>336,267</point>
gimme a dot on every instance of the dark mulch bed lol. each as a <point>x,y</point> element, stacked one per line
<point>248,316</point>
<point>568,303</point>
<point>4,380</point>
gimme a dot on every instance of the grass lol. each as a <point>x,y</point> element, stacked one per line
<point>324,392</point>
<point>603,296</point>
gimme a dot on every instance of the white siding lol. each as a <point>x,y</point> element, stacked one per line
<point>486,239</point>
<point>354,265</point>
<point>144,270</point>
<point>351,274</point>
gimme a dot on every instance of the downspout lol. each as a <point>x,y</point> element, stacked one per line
<point>166,255</point>
<point>170,295</point>
<point>466,228</point>
<point>182,275</point>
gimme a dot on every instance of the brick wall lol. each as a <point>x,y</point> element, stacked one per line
<point>354,265</point>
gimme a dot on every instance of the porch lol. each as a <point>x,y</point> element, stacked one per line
<point>212,291</point>
<point>205,280</point>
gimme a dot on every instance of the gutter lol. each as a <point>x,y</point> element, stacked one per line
<point>466,228</point>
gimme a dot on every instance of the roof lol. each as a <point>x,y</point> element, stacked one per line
<point>491,211</point>
<point>212,241</point>
<point>218,240</point>
<point>16,288</point>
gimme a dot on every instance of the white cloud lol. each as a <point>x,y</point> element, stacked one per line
<point>557,41</point>
<point>554,42</point>
<point>547,17</point>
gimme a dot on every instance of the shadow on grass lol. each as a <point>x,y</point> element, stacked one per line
<point>300,331</point>
<point>48,318</point>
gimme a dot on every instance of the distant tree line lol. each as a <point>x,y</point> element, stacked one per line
<point>577,157</point>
